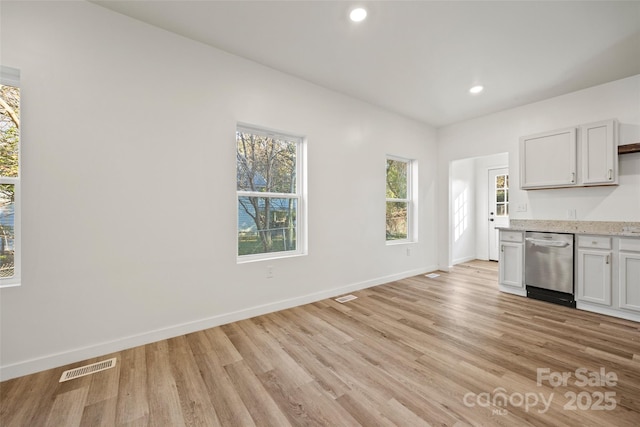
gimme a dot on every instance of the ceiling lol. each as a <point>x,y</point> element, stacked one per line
<point>419,58</point>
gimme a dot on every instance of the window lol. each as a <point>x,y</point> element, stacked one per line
<point>270,191</point>
<point>400,206</point>
<point>9,176</point>
<point>502,195</point>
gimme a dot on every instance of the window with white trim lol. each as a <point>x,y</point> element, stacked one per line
<point>270,194</point>
<point>400,207</point>
<point>9,176</point>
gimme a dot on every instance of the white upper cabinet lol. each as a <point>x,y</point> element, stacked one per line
<point>555,160</point>
<point>548,160</point>
<point>599,152</point>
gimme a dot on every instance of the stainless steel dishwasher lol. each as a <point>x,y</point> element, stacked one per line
<point>548,267</point>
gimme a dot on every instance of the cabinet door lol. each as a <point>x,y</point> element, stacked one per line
<point>630,281</point>
<point>594,276</point>
<point>599,152</point>
<point>510,264</point>
<point>548,160</point>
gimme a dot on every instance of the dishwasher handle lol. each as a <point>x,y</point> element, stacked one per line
<point>548,243</point>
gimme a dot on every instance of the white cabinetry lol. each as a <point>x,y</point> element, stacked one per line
<point>629,265</point>
<point>608,272</point>
<point>594,269</point>
<point>511,271</point>
<point>548,159</point>
<point>599,152</point>
<point>555,160</point>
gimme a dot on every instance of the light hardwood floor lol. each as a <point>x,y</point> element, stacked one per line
<point>414,352</point>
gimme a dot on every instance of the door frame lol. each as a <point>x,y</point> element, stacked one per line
<point>482,164</point>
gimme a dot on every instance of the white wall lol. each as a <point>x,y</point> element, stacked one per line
<point>499,132</point>
<point>129,206</point>
<point>463,210</point>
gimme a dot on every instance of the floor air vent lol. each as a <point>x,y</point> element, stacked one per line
<point>346,298</point>
<point>87,370</point>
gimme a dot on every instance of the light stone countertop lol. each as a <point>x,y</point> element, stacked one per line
<point>609,228</point>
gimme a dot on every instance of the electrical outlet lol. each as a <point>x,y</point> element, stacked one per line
<point>269,271</point>
<point>521,207</point>
<point>408,251</point>
<point>571,214</point>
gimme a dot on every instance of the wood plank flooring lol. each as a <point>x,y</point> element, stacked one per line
<point>448,351</point>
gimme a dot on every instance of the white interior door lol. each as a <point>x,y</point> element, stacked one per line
<point>498,208</point>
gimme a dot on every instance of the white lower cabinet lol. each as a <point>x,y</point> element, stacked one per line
<point>594,269</point>
<point>511,263</point>
<point>608,276</point>
<point>629,275</point>
<point>607,272</point>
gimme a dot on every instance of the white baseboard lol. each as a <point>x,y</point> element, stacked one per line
<point>595,308</point>
<point>512,290</point>
<point>464,259</point>
<point>51,361</point>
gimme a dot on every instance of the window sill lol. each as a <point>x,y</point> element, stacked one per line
<point>278,255</point>
<point>400,242</point>
<point>10,285</point>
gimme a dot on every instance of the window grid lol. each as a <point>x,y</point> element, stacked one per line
<point>271,220</point>
<point>502,195</point>
<point>399,200</point>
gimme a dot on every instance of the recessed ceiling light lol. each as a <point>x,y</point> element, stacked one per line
<point>476,89</point>
<point>358,14</point>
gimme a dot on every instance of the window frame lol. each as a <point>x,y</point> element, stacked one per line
<point>506,191</point>
<point>412,227</point>
<point>300,195</point>
<point>11,77</point>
